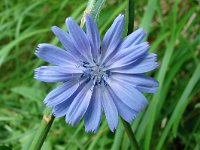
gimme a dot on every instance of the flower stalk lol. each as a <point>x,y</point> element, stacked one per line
<point>130,134</point>
<point>42,131</point>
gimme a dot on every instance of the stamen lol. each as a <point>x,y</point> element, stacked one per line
<point>96,73</point>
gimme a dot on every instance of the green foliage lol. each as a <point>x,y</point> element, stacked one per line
<point>171,121</point>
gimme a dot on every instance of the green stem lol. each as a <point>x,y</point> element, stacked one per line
<point>42,131</point>
<point>130,134</point>
<point>130,16</point>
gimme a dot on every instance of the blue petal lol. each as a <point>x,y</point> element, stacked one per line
<point>124,110</point>
<point>142,65</point>
<point>79,39</point>
<point>80,104</point>
<point>57,73</point>
<point>93,114</point>
<point>54,55</point>
<point>133,39</point>
<point>93,35</point>
<point>128,94</point>
<point>109,109</point>
<point>61,109</point>
<point>61,93</point>
<point>128,55</point>
<point>139,81</point>
<point>66,41</point>
<point>130,41</point>
<point>112,37</point>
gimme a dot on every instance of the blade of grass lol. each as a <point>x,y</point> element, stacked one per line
<point>118,137</point>
<point>180,107</point>
<point>112,16</point>
<point>5,50</point>
<point>156,102</point>
<point>148,16</point>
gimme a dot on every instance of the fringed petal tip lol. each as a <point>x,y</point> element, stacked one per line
<point>153,56</point>
<point>131,120</point>
<point>37,51</point>
<point>92,126</point>
<point>146,44</point>
<point>46,102</point>
<point>38,70</point>
<point>41,46</point>
<point>40,50</point>
<point>155,66</point>
<point>36,73</point>
<point>149,88</point>
<point>113,129</point>
<point>93,131</point>
<point>89,130</point>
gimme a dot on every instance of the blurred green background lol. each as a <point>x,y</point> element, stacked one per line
<point>171,121</point>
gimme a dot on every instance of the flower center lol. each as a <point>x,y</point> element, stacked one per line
<point>96,73</point>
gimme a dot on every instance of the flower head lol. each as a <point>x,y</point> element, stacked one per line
<point>97,77</point>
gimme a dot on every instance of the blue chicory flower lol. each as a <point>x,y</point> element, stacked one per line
<point>97,77</point>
